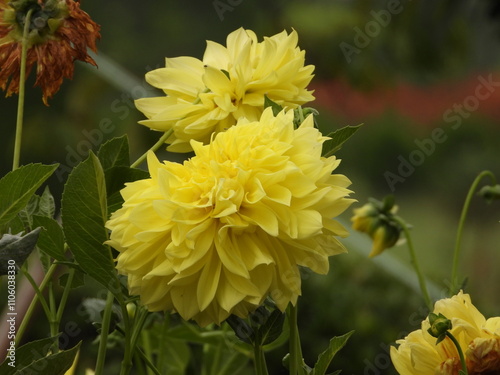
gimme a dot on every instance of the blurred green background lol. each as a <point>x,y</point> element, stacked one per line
<point>402,68</point>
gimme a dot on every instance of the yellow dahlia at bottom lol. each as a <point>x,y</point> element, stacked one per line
<point>207,96</point>
<point>479,339</point>
<point>216,235</point>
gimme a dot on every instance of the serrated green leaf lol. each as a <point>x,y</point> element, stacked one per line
<point>325,358</point>
<point>54,364</point>
<point>17,187</point>
<point>84,214</point>
<point>16,248</point>
<point>114,153</point>
<point>27,212</point>
<point>16,225</point>
<point>338,138</point>
<point>275,106</point>
<point>51,240</point>
<point>46,204</point>
<point>271,329</point>
<point>27,354</point>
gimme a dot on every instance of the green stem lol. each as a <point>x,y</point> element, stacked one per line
<point>20,103</point>
<point>146,344</point>
<point>38,293</point>
<point>414,261</point>
<point>64,297</point>
<point>296,360</point>
<point>154,148</point>
<point>31,308</point>
<point>147,361</point>
<point>132,332</point>
<point>460,353</point>
<point>259,360</point>
<point>54,324</point>
<point>106,320</point>
<point>461,223</point>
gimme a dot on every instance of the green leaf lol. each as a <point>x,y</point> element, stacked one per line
<point>14,249</point>
<point>17,187</point>
<point>271,329</point>
<point>173,356</point>
<point>275,106</point>
<point>27,354</point>
<point>46,204</point>
<point>84,213</point>
<point>338,138</point>
<point>114,152</point>
<point>78,279</point>
<point>116,178</point>
<point>241,329</point>
<point>54,364</point>
<point>27,212</point>
<point>325,358</point>
<point>51,240</point>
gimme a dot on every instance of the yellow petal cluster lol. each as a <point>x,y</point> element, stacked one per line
<point>479,339</point>
<point>219,233</point>
<point>209,95</point>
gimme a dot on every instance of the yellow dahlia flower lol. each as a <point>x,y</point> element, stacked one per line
<point>207,96</point>
<point>217,234</point>
<point>479,339</point>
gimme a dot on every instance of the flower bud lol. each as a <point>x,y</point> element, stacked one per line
<point>439,325</point>
<point>490,193</point>
<point>377,220</point>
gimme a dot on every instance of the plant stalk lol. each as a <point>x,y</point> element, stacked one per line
<point>20,103</point>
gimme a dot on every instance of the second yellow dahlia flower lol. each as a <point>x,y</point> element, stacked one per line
<point>217,234</point>
<point>209,95</point>
<point>479,339</point>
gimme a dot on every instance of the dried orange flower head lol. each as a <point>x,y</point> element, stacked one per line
<point>59,33</point>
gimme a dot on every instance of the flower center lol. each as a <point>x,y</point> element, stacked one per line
<point>40,26</point>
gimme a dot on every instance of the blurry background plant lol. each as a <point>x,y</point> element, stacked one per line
<point>403,84</point>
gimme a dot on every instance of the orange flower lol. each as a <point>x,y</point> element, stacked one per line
<point>59,33</point>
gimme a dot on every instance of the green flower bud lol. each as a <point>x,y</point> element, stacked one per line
<point>439,326</point>
<point>490,193</point>
<point>377,220</point>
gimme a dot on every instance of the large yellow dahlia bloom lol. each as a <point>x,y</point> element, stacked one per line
<point>479,340</point>
<point>206,96</point>
<point>217,234</point>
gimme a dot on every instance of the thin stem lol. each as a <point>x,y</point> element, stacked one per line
<point>154,148</point>
<point>148,362</point>
<point>460,352</point>
<point>146,344</point>
<point>461,223</point>
<point>38,293</point>
<point>132,332</point>
<point>143,314</point>
<point>106,320</point>
<point>31,308</point>
<point>296,359</point>
<point>54,324</point>
<point>64,297</point>
<point>414,261</point>
<point>259,360</point>
<point>20,103</point>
